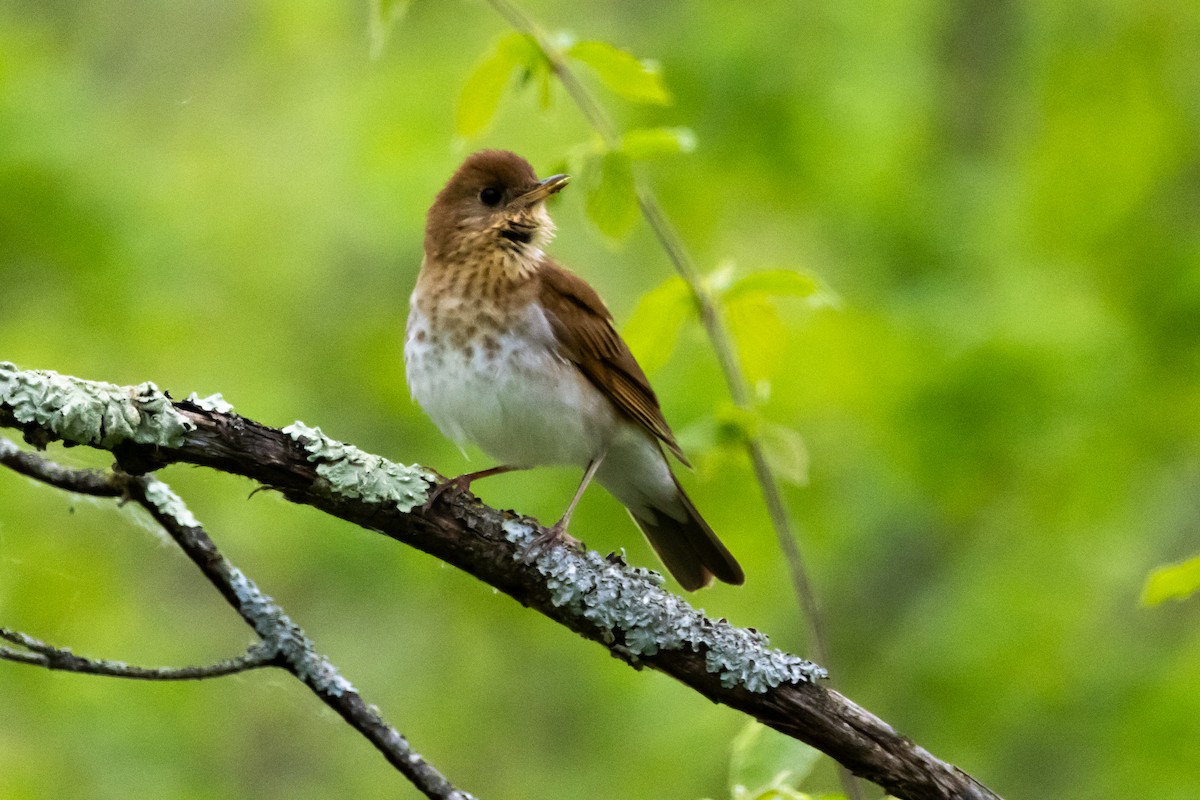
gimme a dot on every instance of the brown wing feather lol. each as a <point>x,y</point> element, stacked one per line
<point>584,330</point>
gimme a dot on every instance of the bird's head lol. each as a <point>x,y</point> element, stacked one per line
<point>494,202</point>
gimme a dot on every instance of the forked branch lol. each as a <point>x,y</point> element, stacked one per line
<point>625,610</point>
<point>281,642</point>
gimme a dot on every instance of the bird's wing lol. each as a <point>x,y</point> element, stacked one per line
<point>585,334</point>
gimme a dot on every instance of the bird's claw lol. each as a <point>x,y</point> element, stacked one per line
<point>556,534</point>
<point>461,484</point>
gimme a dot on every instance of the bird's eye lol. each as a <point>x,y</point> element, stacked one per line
<point>491,196</point>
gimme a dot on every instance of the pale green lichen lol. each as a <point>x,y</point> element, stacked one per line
<point>286,637</point>
<point>92,412</point>
<point>631,605</point>
<point>169,504</point>
<point>214,402</point>
<point>355,473</point>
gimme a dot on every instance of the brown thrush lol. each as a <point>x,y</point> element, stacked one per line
<point>509,351</point>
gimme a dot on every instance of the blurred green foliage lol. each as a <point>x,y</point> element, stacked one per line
<point>1172,581</point>
<point>767,765</point>
<point>1000,415</point>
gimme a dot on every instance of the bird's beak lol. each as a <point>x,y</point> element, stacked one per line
<point>544,189</point>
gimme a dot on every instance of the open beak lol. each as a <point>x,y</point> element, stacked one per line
<point>544,189</point>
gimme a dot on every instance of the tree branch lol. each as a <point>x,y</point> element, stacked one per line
<point>710,319</point>
<point>39,653</point>
<point>282,643</point>
<point>625,610</point>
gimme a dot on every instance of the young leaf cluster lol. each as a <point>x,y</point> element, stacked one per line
<point>604,169</point>
<point>766,765</point>
<point>750,306</point>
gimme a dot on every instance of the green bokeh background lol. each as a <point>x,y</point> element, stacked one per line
<point>1001,414</point>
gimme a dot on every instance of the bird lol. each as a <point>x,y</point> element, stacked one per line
<point>508,350</point>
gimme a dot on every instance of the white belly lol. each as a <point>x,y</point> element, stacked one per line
<point>517,400</point>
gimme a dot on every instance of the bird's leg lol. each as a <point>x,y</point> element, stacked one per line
<point>558,531</point>
<point>463,482</point>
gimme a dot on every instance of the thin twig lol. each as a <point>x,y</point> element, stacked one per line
<point>294,647</point>
<point>283,643</point>
<point>39,653</point>
<point>739,392</point>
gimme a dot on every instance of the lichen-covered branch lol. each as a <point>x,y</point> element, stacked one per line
<point>292,648</point>
<point>710,318</point>
<point>38,653</point>
<point>281,643</point>
<point>625,610</point>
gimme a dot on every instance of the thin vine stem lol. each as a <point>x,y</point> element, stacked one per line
<point>710,318</point>
<point>718,334</point>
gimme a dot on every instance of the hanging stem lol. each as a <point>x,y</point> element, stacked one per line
<point>710,318</point>
<point>714,327</point>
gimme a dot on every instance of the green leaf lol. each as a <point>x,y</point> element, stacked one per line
<point>736,426</point>
<point>653,142</point>
<point>622,73</point>
<point>698,438</point>
<point>384,15</point>
<point>757,331</point>
<point>776,283</point>
<point>1172,582</point>
<point>611,200</point>
<point>723,433</point>
<point>729,430</point>
<point>786,452</point>
<point>490,79</point>
<point>776,794</point>
<point>765,761</point>
<point>652,331</point>
<point>750,307</point>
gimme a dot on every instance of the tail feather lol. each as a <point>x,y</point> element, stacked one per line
<point>688,548</point>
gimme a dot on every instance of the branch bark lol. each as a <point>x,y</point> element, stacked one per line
<point>281,642</point>
<point>38,653</point>
<point>625,610</point>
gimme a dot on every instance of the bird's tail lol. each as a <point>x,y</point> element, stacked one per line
<point>688,548</point>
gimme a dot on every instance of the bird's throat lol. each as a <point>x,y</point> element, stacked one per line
<point>517,235</point>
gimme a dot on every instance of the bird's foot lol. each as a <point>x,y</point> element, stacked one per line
<point>462,483</point>
<point>556,534</point>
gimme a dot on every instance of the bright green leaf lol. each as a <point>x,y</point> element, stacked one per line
<point>786,452</point>
<point>1172,582</point>
<point>653,142</point>
<point>622,73</point>
<point>757,331</point>
<point>750,307</point>
<point>774,794</point>
<point>764,760</point>
<point>716,438</point>
<point>384,14</point>
<point>611,199</point>
<point>486,85</point>
<point>652,332</point>
<point>777,283</point>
